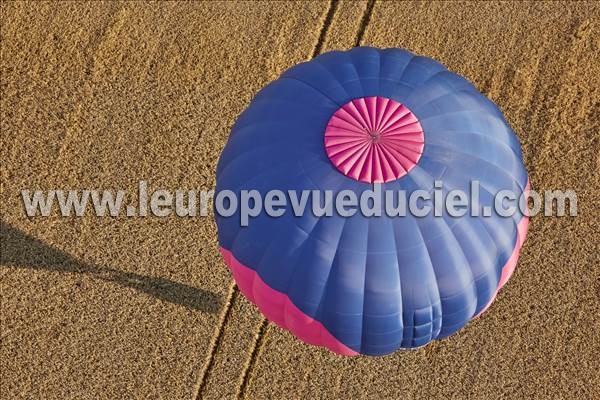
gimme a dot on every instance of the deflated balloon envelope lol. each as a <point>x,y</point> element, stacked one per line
<point>371,285</point>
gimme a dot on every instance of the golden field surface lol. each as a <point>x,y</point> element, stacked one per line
<point>102,95</point>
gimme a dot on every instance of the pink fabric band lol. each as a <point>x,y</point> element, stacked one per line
<point>278,307</point>
<point>511,264</point>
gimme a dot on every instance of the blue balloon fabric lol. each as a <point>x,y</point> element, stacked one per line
<point>360,284</point>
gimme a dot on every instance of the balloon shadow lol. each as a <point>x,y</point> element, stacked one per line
<point>21,250</point>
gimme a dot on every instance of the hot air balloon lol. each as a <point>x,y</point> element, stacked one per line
<point>348,120</point>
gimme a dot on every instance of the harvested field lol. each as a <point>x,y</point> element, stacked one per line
<point>102,95</point>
